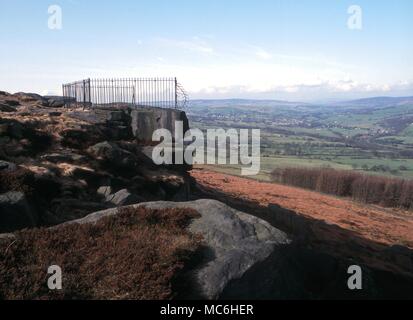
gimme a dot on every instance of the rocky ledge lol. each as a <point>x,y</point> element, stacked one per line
<point>233,243</point>
<point>58,164</point>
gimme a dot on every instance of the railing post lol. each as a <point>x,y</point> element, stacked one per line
<point>176,93</point>
<point>90,93</point>
<point>84,93</point>
<point>63,94</point>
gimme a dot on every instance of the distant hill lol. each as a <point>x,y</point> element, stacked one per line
<point>219,103</point>
<point>378,102</point>
<point>366,102</point>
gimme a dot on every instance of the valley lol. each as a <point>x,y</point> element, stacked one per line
<point>373,135</point>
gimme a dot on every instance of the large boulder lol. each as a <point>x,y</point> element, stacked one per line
<point>234,243</point>
<point>15,212</point>
<point>146,120</point>
<point>174,183</point>
<point>55,101</point>
<point>112,153</point>
<point>116,123</point>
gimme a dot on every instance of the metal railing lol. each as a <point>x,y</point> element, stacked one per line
<point>143,92</point>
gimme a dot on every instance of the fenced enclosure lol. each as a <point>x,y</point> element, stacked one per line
<point>142,92</point>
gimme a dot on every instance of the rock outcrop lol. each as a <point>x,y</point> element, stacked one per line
<point>145,121</point>
<point>55,101</point>
<point>234,242</point>
<point>59,157</point>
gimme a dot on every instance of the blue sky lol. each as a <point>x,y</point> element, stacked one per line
<point>273,49</point>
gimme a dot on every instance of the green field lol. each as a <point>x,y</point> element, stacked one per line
<point>373,139</point>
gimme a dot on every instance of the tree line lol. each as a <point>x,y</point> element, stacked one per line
<point>384,191</point>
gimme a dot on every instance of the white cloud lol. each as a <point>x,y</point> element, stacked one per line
<point>49,93</point>
<point>263,54</point>
<point>266,79</point>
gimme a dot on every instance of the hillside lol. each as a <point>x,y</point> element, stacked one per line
<point>387,226</point>
<point>336,225</point>
<point>376,102</point>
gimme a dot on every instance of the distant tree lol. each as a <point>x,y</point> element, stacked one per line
<point>385,191</point>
